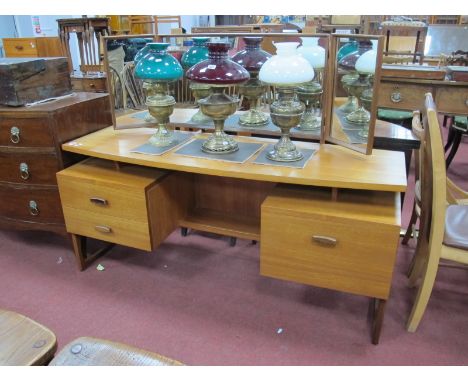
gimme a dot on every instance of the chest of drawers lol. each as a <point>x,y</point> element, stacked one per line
<point>30,156</point>
<point>32,47</point>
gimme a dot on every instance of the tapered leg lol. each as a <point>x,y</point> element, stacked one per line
<point>379,314</point>
<point>424,292</point>
<point>79,250</point>
<point>450,136</point>
<point>456,143</point>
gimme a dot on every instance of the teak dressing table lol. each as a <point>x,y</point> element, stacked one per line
<point>308,220</point>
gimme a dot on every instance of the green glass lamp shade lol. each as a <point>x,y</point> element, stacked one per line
<point>198,52</point>
<point>349,47</point>
<point>158,65</point>
<point>140,54</point>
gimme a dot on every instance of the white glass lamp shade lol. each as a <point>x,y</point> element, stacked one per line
<point>366,63</point>
<point>287,67</point>
<point>312,52</point>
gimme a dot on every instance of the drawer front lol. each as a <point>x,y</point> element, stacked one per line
<point>89,84</point>
<point>25,132</point>
<point>402,96</point>
<point>20,47</point>
<point>30,204</point>
<point>103,199</point>
<point>327,251</point>
<point>28,168</point>
<point>107,228</point>
<point>453,101</point>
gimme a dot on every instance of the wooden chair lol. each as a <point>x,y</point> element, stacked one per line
<point>442,232</point>
<point>24,342</point>
<point>455,195</point>
<point>88,351</point>
<point>166,20</point>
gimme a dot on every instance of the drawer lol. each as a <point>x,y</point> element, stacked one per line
<point>28,168</point>
<point>89,84</point>
<point>31,204</point>
<point>453,101</point>
<point>108,228</point>
<point>25,132</point>
<point>20,47</point>
<point>403,96</point>
<point>347,245</point>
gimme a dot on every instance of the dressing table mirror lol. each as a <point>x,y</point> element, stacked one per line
<point>127,92</point>
<point>355,67</point>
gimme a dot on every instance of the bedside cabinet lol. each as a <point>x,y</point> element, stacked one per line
<point>125,204</point>
<point>348,243</point>
<point>30,156</point>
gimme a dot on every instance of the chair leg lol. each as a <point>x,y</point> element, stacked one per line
<point>424,292</point>
<point>454,149</point>
<point>409,229</point>
<point>450,136</point>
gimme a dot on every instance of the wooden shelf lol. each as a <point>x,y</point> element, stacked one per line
<point>244,227</point>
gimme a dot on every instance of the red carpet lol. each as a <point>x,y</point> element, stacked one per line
<point>202,302</point>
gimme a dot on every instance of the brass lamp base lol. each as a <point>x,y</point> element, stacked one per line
<point>161,107</point>
<point>286,113</point>
<point>253,90</point>
<point>200,91</point>
<point>219,106</point>
<point>359,117</point>
<point>352,102</point>
<point>310,94</point>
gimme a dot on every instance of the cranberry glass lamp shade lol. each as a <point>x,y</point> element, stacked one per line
<point>218,69</point>
<point>252,57</point>
<point>157,65</point>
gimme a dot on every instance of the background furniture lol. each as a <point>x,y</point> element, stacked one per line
<point>30,156</point>
<point>33,47</point>
<point>24,342</point>
<point>457,129</point>
<point>149,24</point>
<point>442,232</point>
<point>89,351</point>
<point>405,40</point>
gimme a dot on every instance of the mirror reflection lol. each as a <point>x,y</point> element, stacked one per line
<point>353,111</point>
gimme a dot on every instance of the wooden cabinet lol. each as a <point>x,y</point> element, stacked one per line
<point>348,244</point>
<point>33,47</point>
<point>128,205</point>
<point>30,156</point>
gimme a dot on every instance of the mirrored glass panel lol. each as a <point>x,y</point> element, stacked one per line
<point>356,74</point>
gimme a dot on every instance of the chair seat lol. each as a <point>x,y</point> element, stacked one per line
<point>89,351</point>
<point>24,342</point>
<point>456,226</point>
<point>394,114</point>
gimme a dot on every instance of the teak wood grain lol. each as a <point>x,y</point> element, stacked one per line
<point>331,166</point>
<point>309,238</point>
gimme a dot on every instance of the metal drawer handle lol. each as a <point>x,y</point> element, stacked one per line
<point>396,97</point>
<point>33,209</point>
<point>325,240</point>
<point>466,102</point>
<point>98,201</point>
<point>103,229</point>
<point>15,134</point>
<point>19,47</point>
<point>24,171</point>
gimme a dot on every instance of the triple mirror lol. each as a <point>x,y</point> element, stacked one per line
<point>127,91</point>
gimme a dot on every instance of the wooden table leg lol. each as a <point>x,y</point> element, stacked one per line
<point>83,258</point>
<point>456,143</point>
<point>378,312</point>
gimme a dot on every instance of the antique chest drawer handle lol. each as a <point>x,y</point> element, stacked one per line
<point>325,240</point>
<point>466,102</point>
<point>33,209</point>
<point>396,97</point>
<point>15,134</point>
<point>103,229</point>
<point>24,171</point>
<point>98,201</point>
<point>19,47</point>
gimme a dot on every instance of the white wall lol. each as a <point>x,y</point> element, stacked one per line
<point>7,29</point>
